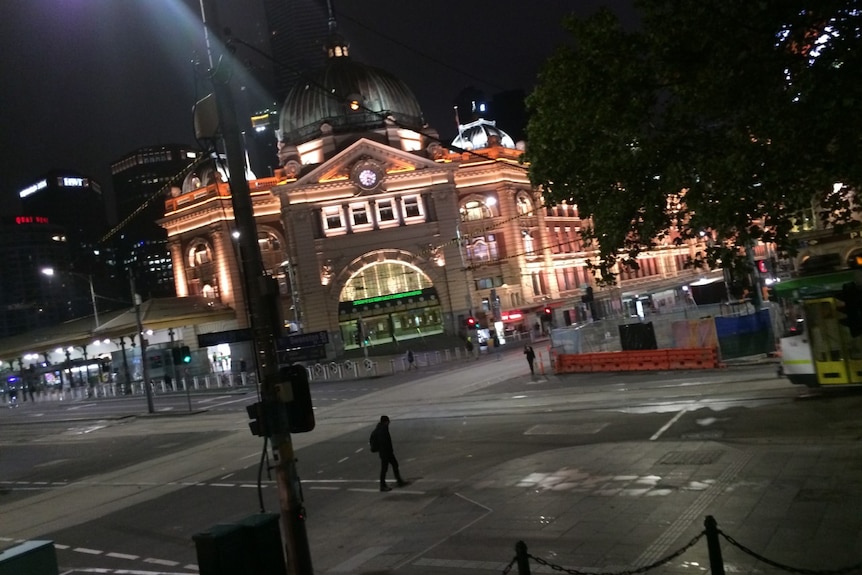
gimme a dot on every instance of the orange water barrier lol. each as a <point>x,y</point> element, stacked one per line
<point>642,360</point>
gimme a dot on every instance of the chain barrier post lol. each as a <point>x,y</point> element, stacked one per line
<point>523,558</point>
<point>716,563</point>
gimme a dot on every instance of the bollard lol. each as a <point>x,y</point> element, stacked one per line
<point>523,558</point>
<point>716,563</point>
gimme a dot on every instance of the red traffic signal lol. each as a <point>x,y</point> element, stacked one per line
<point>471,322</point>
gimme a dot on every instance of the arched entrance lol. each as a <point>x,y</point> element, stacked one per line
<point>386,302</point>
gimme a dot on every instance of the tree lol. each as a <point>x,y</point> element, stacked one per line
<point>722,117</point>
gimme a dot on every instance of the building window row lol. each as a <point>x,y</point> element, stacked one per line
<point>572,278</point>
<point>374,214</point>
<point>488,283</point>
<point>565,239</point>
<point>647,267</point>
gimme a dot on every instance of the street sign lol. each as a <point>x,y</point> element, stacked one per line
<point>300,340</point>
<point>220,337</point>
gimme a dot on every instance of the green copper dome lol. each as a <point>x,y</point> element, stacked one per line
<point>349,97</point>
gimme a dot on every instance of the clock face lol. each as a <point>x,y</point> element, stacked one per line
<point>367,178</point>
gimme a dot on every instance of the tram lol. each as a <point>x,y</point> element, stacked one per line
<point>817,348</point>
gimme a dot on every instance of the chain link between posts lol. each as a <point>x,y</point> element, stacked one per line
<point>788,568</point>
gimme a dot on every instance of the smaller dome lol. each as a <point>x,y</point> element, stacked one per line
<point>481,134</point>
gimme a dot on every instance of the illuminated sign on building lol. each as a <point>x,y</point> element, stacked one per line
<point>30,190</point>
<point>31,220</point>
<point>71,182</point>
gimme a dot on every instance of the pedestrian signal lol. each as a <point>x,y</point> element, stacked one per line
<point>181,355</point>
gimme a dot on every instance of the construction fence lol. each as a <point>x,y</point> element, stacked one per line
<point>684,334</point>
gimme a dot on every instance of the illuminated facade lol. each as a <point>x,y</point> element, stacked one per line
<point>377,232</point>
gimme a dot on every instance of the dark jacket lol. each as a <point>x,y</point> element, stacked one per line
<point>384,440</point>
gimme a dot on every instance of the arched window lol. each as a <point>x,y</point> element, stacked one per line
<point>384,278</point>
<point>524,204</point>
<point>483,249</point>
<point>271,252</point>
<point>199,254</point>
<point>528,241</point>
<point>478,208</point>
<point>201,272</point>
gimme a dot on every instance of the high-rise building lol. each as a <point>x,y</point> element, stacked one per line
<point>297,37</point>
<point>297,32</point>
<point>142,180</point>
<point>74,202</point>
<point>28,298</point>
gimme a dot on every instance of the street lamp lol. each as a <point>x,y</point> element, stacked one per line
<point>50,272</point>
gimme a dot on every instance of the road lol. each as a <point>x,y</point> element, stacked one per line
<point>598,472</point>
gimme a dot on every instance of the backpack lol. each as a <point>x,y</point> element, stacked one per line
<point>374,442</point>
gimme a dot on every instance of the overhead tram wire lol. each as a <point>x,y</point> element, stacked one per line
<point>156,195</point>
<point>204,154</point>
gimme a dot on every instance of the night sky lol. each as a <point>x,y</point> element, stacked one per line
<point>84,82</point>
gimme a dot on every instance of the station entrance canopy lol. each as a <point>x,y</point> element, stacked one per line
<point>156,314</point>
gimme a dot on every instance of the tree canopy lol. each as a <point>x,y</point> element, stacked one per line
<point>722,117</point>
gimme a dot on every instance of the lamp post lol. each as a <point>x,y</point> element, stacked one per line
<point>261,298</point>
<point>50,273</point>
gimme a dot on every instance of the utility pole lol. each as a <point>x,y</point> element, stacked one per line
<point>261,300</point>
<point>145,367</point>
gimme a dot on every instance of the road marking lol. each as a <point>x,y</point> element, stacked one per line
<point>161,562</point>
<point>343,459</point>
<point>123,556</point>
<point>667,425</point>
<point>87,551</point>
<point>352,564</point>
<point>488,511</point>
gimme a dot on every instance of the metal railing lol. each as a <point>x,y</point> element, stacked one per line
<point>711,533</point>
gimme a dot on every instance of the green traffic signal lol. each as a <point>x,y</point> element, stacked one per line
<point>181,355</point>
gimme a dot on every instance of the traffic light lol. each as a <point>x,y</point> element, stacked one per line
<point>359,336</point>
<point>471,322</point>
<point>547,314</point>
<point>181,355</point>
<point>300,411</point>
<point>849,308</point>
<point>257,419</point>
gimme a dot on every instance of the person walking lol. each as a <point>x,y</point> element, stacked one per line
<point>411,360</point>
<point>381,443</point>
<point>531,357</point>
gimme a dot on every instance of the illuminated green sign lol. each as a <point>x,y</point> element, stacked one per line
<point>379,298</point>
